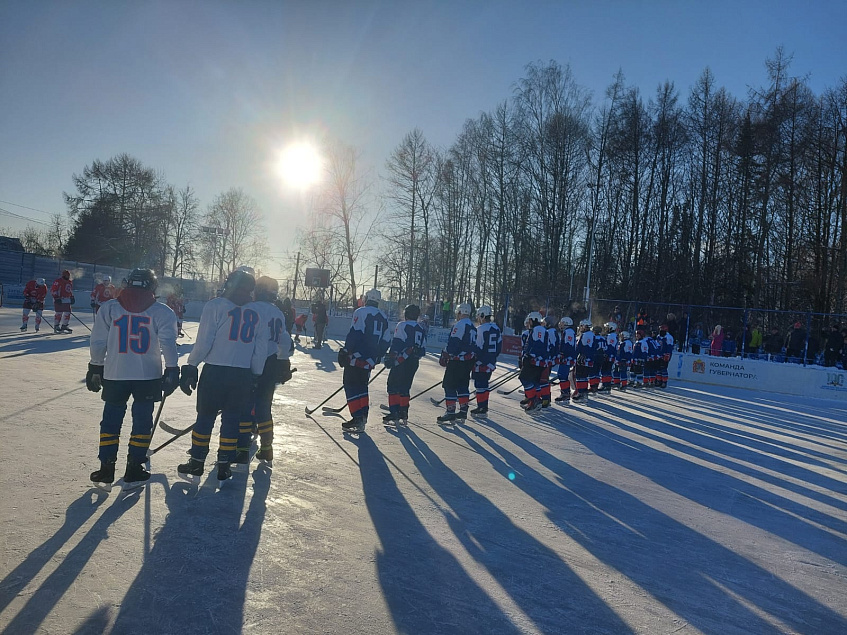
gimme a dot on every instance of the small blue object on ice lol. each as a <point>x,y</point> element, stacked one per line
<point>511,476</point>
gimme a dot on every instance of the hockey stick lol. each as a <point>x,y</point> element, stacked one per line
<point>81,322</point>
<point>156,420</point>
<point>425,391</point>
<point>502,379</point>
<point>340,408</point>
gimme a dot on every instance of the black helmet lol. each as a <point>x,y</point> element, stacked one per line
<point>239,280</point>
<point>267,289</point>
<point>141,279</point>
<point>412,312</point>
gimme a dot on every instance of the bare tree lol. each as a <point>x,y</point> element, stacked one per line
<point>241,240</point>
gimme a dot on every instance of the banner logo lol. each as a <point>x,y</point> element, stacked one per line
<point>699,366</point>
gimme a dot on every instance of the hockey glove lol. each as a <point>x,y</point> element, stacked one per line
<point>343,357</point>
<point>283,370</point>
<point>442,361</point>
<point>170,380</point>
<point>93,304</point>
<point>418,351</point>
<point>94,378</point>
<point>188,379</point>
<point>390,360</point>
<point>72,299</point>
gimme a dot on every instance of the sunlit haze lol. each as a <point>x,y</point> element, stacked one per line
<point>300,165</point>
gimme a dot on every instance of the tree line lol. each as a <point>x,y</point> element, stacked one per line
<point>700,199</point>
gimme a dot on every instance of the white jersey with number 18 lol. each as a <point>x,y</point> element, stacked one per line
<point>231,335</point>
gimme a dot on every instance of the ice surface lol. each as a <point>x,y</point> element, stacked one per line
<point>692,510</point>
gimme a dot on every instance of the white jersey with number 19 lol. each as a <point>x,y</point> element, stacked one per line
<point>231,335</point>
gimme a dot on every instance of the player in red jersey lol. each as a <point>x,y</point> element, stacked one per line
<point>35,293</point>
<point>63,300</point>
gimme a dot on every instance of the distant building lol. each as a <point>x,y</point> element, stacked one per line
<point>8,243</point>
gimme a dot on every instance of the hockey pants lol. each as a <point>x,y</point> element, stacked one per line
<point>456,383</point>
<point>356,389</point>
<point>399,385</point>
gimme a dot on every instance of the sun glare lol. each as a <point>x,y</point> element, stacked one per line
<point>300,165</point>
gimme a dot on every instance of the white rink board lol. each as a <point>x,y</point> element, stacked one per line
<point>752,374</point>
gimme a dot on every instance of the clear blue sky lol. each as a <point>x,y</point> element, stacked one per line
<point>208,91</point>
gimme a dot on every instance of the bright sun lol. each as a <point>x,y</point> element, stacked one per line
<point>300,165</point>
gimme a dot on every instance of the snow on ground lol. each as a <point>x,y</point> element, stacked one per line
<point>689,510</point>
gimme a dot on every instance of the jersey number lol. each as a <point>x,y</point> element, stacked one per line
<point>133,334</point>
<point>275,327</point>
<point>242,324</point>
<point>492,337</point>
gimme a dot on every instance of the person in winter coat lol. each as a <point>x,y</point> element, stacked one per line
<point>717,341</point>
<point>795,341</point>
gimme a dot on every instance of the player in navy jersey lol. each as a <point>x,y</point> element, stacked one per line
<point>640,352</point>
<point>551,361</point>
<point>567,356</point>
<point>366,343</point>
<point>665,340</point>
<point>458,358</point>
<point>407,347</point>
<point>584,360</point>
<point>623,358</point>
<point>277,370</point>
<point>533,360</point>
<point>129,338</point>
<point>489,343</point>
<point>232,344</point>
<point>654,355</point>
<point>599,359</point>
<point>611,352</point>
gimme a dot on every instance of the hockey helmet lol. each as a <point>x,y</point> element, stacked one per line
<point>267,289</point>
<point>586,323</point>
<point>107,279</point>
<point>464,309</point>
<point>66,274</point>
<point>373,295</point>
<point>565,322</point>
<point>142,279</point>
<point>239,280</point>
<point>597,329</point>
<point>535,317</point>
<point>549,321</point>
<point>40,282</point>
<point>625,335</point>
<point>247,269</point>
<point>412,312</point>
<point>611,326</point>
<point>639,333</point>
<point>484,312</point>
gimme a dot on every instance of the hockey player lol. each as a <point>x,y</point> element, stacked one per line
<point>533,360</point>
<point>300,325</point>
<point>129,338</point>
<point>176,301</point>
<point>103,292</point>
<point>489,344</point>
<point>567,355</point>
<point>584,360</point>
<point>599,359</point>
<point>654,355</point>
<point>320,319</point>
<point>35,292</point>
<point>366,343</point>
<point>551,361</point>
<point>232,340</point>
<point>623,358</point>
<point>407,348</point>
<point>611,338</point>
<point>62,291</point>
<point>665,340</point>
<point>277,370</point>
<point>458,358</point>
<point>640,352</point>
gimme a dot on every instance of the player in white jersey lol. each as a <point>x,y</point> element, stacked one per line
<point>232,342</point>
<point>129,337</point>
<point>489,344</point>
<point>277,370</point>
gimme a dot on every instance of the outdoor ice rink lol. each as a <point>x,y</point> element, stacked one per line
<point>690,510</point>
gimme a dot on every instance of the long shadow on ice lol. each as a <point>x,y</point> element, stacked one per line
<point>545,587</point>
<point>195,576</point>
<point>426,589</point>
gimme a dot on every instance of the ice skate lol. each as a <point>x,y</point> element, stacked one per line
<point>36,328</point>
<point>23,327</point>
<point>66,329</point>
<point>524,401</point>
<point>355,425</point>
<point>545,403</point>
<point>57,329</point>
<point>104,477</point>
<point>462,415</point>
<point>191,470</point>
<point>136,474</point>
<point>533,405</point>
<point>224,470</point>
<point>266,457</point>
<point>565,397</point>
<point>447,418</point>
<point>391,419</point>
<point>480,411</point>
<point>580,397</point>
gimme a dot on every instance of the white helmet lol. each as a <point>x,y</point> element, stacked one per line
<point>247,269</point>
<point>565,322</point>
<point>373,295</point>
<point>625,335</point>
<point>484,312</point>
<point>535,316</point>
<point>107,279</point>
<point>464,309</point>
<point>611,326</point>
<point>586,322</point>
<point>40,282</point>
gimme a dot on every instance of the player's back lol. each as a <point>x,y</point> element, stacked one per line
<point>229,335</point>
